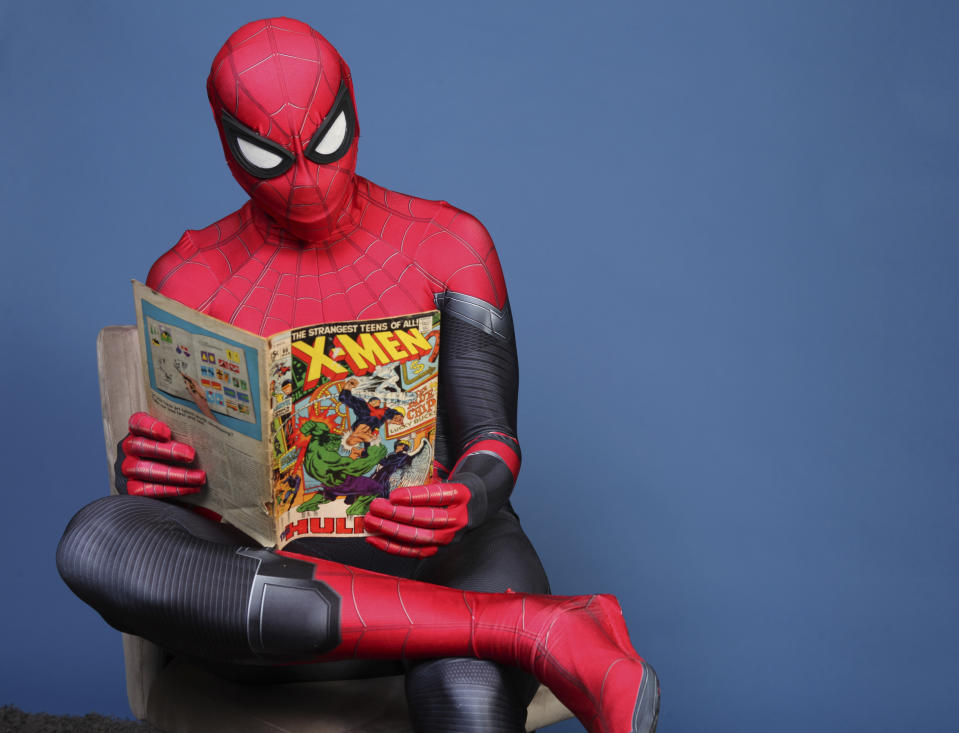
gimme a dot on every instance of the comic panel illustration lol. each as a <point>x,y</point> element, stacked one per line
<point>354,418</point>
<point>209,374</point>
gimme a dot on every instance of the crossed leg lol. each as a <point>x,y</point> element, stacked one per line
<point>157,571</point>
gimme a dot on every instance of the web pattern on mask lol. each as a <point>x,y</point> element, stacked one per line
<point>280,78</point>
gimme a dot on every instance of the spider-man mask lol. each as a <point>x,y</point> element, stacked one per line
<point>283,101</point>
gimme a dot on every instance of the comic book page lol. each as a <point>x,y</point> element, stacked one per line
<point>204,378</point>
<point>354,416</point>
<point>181,359</point>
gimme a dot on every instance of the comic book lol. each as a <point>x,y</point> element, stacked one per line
<point>298,432</point>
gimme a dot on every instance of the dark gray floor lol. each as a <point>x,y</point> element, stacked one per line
<point>14,719</point>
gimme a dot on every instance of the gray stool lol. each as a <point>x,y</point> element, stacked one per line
<point>175,695</point>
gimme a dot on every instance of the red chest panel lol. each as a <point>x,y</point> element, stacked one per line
<point>283,285</point>
<point>396,253</point>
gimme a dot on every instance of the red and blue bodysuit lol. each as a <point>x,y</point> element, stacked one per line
<point>317,243</point>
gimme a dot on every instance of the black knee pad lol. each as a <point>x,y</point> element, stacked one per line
<point>290,614</point>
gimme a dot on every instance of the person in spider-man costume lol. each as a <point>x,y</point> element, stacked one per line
<point>447,581</point>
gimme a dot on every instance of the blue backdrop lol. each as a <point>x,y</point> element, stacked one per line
<point>749,209</point>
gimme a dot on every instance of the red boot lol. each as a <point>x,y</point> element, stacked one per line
<point>578,646</point>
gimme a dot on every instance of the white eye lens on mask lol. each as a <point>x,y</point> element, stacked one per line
<point>257,155</point>
<point>334,137</point>
<point>335,134</point>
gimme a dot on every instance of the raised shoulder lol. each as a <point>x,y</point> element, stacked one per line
<point>179,275</point>
<point>449,245</point>
<point>203,259</point>
<point>460,253</point>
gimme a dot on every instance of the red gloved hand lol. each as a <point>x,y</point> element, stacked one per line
<point>150,438</point>
<point>416,520</point>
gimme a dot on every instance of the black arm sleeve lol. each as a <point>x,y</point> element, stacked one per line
<point>479,380</point>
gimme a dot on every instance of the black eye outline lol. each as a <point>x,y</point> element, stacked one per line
<point>342,103</point>
<point>236,130</point>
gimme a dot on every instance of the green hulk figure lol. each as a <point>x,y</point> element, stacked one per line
<point>339,475</point>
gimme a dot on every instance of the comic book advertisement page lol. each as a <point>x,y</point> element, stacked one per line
<point>203,378</point>
<point>354,416</point>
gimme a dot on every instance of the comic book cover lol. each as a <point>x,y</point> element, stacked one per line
<point>354,416</point>
<point>299,432</point>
